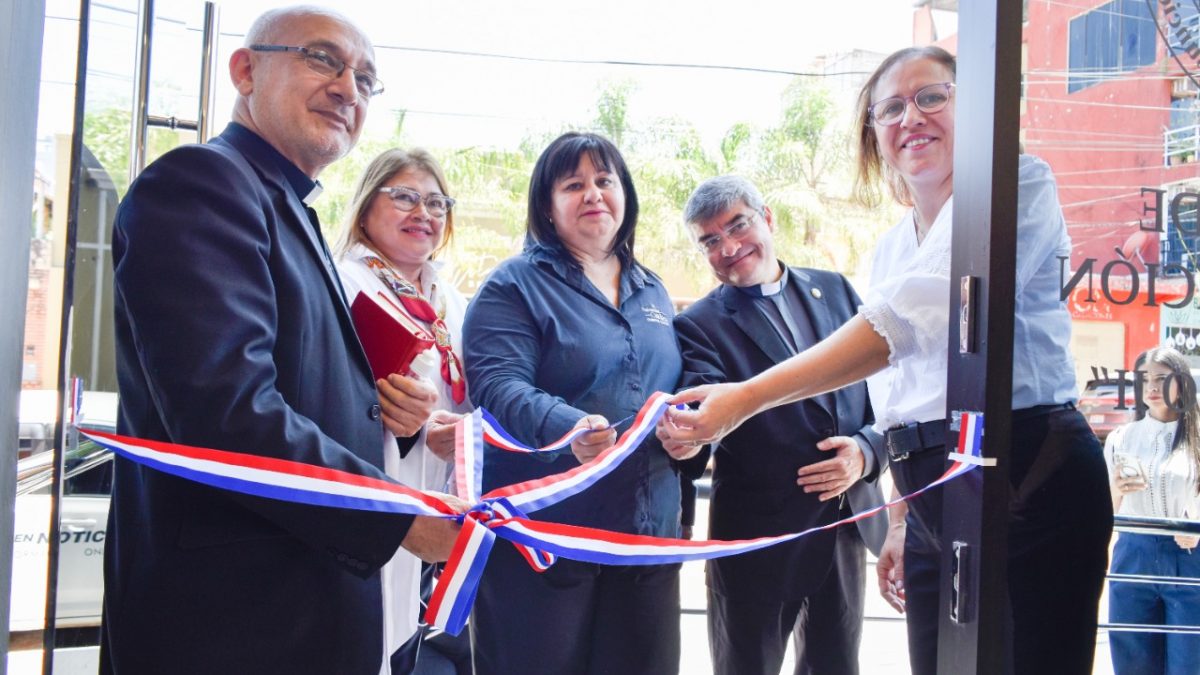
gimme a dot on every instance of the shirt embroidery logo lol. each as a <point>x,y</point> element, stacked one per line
<point>655,315</point>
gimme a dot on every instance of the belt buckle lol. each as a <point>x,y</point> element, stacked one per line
<point>893,452</point>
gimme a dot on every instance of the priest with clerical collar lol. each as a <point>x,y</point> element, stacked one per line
<point>785,470</point>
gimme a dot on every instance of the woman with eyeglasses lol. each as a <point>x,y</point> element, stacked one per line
<point>1060,513</point>
<point>575,333</point>
<point>400,218</point>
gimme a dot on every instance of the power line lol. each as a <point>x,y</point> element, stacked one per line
<point>1100,104</point>
<point>618,62</point>
<point>547,59</point>
<point>1100,187</point>
<point>1089,132</point>
<point>1088,172</point>
<point>1109,198</point>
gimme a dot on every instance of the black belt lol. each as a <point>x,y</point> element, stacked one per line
<point>911,439</point>
<point>1038,410</point>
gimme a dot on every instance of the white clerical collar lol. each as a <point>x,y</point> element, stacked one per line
<point>768,289</point>
<point>313,193</point>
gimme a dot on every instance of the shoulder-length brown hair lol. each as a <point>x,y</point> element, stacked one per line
<point>559,159</point>
<point>382,169</point>
<point>871,169</point>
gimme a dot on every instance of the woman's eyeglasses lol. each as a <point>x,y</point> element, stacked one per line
<point>406,199</point>
<point>928,99</point>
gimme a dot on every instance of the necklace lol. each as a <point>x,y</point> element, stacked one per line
<point>920,232</point>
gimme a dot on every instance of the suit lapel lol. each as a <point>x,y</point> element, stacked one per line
<point>814,300</point>
<point>296,217</point>
<point>315,244</point>
<point>751,321</point>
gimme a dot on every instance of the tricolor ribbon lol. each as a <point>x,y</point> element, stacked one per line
<point>501,512</point>
<point>970,440</point>
<point>274,478</point>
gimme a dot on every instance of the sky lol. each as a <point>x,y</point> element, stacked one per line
<point>480,97</point>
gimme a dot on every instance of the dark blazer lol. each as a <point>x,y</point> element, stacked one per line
<point>724,338</point>
<point>232,333</point>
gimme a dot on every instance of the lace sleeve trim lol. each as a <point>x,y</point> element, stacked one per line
<point>901,339</point>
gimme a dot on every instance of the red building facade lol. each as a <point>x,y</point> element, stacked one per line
<point>1110,107</point>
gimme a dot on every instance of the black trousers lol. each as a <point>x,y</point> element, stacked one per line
<point>575,618</point>
<point>1059,530</point>
<point>747,637</point>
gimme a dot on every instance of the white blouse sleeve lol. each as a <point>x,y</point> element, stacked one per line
<point>1112,446</point>
<point>911,309</point>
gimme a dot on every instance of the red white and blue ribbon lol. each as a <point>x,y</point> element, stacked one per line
<point>500,513</point>
<point>75,409</point>
<point>970,441</point>
<point>274,478</point>
<point>539,493</point>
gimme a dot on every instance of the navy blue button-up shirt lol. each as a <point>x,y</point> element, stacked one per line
<point>543,347</point>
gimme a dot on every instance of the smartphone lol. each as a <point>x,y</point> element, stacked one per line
<point>1129,467</point>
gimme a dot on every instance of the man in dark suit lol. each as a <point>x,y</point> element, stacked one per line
<point>233,333</point>
<point>785,470</point>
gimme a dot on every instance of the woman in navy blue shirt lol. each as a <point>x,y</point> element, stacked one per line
<point>575,332</point>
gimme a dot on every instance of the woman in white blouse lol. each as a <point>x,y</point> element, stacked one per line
<point>1154,465</point>
<point>400,218</point>
<point>1060,513</point>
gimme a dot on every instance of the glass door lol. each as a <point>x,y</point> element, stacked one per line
<point>89,98</point>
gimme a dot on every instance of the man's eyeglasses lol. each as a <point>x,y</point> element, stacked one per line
<point>735,231</point>
<point>928,99</point>
<point>406,199</point>
<point>321,61</point>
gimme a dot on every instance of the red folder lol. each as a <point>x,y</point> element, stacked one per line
<point>390,337</point>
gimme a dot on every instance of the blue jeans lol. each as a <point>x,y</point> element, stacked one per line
<point>1155,604</point>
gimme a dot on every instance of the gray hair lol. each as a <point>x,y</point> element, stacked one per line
<point>716,195</point>
<point>270,23</point>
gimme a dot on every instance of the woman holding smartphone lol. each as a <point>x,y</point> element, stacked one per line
<point>1154,465</point>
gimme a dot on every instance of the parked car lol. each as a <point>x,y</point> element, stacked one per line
<point>84,517</point>
<point>1098,403</point>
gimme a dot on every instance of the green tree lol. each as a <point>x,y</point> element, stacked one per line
<point>738,137</point>
<point>612,110</point>
<point>106,134</point>
<point>805,172</point>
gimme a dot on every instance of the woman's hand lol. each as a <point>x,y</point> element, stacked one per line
<point>678,450</point>
<point>890,567</point>
<point>407,402</point>
<point>723,408</point>
<point>439,434</point>
<point>1127,479</point>
<point>1186,542</point>
<point>586,447</point>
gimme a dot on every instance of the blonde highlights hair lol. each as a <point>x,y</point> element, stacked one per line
<point>871,170</point>
<point>382,169</point>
